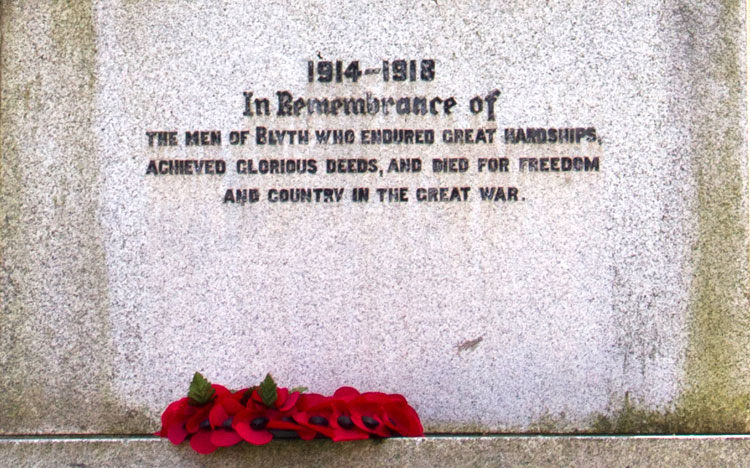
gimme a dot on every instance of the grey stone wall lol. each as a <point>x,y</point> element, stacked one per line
<point>613,301</point>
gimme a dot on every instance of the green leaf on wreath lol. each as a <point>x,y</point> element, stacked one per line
<point>200,391</point>
<point>298,389</point>
<point>267,391</point>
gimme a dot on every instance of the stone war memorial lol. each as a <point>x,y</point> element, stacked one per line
<point>530,219</point>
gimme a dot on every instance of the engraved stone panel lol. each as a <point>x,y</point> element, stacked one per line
<point>522,216</point>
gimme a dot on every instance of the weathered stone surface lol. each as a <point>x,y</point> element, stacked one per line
<point>607,301</point>
<point>539,452</point>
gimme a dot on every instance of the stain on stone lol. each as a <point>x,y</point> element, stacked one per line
<point>718,392</point>
<point>58,349</point>
<point>469,345</point>
<point>716,396</point>
<point>684,419</point>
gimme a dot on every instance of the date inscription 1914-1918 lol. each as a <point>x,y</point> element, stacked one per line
<point>326,71</point>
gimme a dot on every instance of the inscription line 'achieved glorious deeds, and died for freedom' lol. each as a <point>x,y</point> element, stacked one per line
<point>363,106</point>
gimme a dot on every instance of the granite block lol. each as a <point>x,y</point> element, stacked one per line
<point>511,451</point>
<point>611,299</point>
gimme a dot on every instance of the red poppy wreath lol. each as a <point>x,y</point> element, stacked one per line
<point>212,416</point>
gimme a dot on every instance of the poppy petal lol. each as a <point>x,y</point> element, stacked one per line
<point>281,396</point>
<point>221,391</point>
<point>224,438</point>
<point>375,397</point>
<point>377,427</point>
<point>177,433</point>
<point>290,402</point>
<point>403,420</point>
<point>193,424</point>
<point>201,442</point>
<point>217,416</point>
<point>175,413</point>
<point>346,393</point>
<point>254,437</point>
<point>325,429</point>
<point>231,406</point>
<point>342,435</point>
<point>308,400</point>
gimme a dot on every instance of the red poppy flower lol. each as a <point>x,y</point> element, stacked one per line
<point>284,400</point>
<point>367,415</point>
<point>221,416</point>
<point>287,405</point>
<point>255,423</point>
<point>225,408</point>
<point>198,418</point>
<point>329,416</point>
<point>343,425</point>
<point>402,419</point>
<point>251,425</point>
<point>317,417</point>
<point>284,421</point>
<point>201,442</point>
<point>177,433</point>
<point>181,419</point>
<point>380,413</point>
<point>208,426</point>
<point>174,414</point>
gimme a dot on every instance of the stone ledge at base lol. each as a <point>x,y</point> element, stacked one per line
<point>468,451</point>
